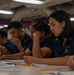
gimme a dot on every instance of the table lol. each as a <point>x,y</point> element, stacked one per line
<point>33,70</point>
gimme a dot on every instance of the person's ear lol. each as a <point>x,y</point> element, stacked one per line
<point>42,33</point>
<point>63,23</point>
<point>20,29</point>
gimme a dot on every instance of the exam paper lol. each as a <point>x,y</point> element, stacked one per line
<point>15,61</point>
<point>67,73</point>
<point>4,67</point>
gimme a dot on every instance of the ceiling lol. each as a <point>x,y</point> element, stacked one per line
<point>29,12</point>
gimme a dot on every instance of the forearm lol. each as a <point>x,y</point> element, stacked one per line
<point>20,48</point>
<point>17,42</point>
<point>36,48</point>
<point>14,56</point>
<point>53,61</point>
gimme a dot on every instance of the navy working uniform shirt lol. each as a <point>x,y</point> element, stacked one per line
<point>45,43</point>
<point>13,48</point>
<point>66,49</point>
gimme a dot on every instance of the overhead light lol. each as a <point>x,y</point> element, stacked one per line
<point>72,19</point>
<point>30,1</point>
<point>1,27</point>
<point>6,12</point>
<point>5,25</point>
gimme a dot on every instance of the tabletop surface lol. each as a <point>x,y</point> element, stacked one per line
<point>21,68</point>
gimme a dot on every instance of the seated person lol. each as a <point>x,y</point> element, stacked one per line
<point>70,62</point>
<point>41,46</point>
<point>61,27</point>
<point>7,46</point>
<point>20,39</point>
<point>3,42</point>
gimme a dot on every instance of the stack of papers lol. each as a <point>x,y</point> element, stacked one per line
<point>4,66</point>
<point>15,61</point>
<point>45,70</point>
<point>67,73</point>
<point>53,69</point>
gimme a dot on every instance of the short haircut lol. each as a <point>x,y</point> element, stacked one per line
<point>3,34</point>
<point>14,24</point>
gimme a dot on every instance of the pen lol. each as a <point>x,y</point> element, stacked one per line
<point>12,63</point>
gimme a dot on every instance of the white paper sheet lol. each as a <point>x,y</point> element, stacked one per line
<point>50,66</point>
<point>7,67</point>
<point>67,73</point>
<point>8,70</point>
<point>15,61</point>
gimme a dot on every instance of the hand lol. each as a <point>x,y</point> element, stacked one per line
<point>37,34</point>
<point>16,41</point>
<point>2,57</point>
<point>5,50</point>
<point>30,59</point>
<point>70,62</point>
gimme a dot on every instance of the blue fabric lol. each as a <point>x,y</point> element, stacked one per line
<point>45,43</point>
<point>66,49</point>
<point>26,41</point>
<point>13,48</point>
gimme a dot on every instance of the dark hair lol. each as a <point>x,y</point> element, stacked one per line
<point>14,24</point>
<point>41,24</point>
<point>60,16</point>
<point>3,34</point>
